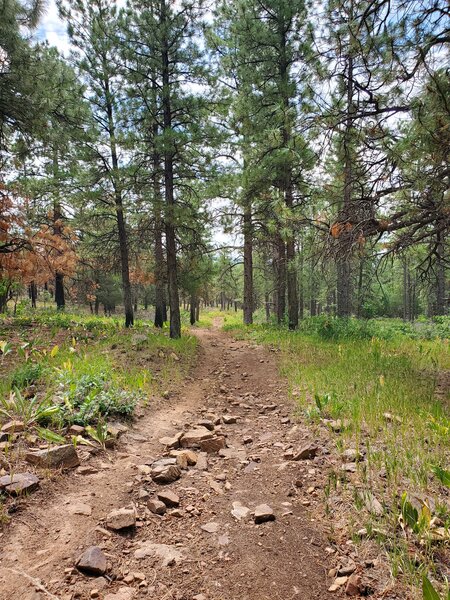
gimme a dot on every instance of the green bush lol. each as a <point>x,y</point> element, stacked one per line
<point>88,398</point>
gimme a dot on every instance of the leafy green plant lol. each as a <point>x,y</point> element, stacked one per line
<point>29,410</point>
<point>87,398</point>
<point>322,401</point>
<point>50,436</point>
<point>100,433</point>
<point>442,474</point>
<point>419,522</point>
<point>5,348</point>
<point>428,591</point>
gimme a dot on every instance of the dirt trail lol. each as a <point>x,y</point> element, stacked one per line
<point>237,560</point>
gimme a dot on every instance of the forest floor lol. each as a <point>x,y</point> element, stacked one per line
<point>198,550</point>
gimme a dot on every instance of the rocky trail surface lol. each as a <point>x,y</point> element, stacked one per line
<point>206,498</point>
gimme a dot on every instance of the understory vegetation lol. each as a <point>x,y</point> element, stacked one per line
<point>382,389</point>
<point>60,369</point>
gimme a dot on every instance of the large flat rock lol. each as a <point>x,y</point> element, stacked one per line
<point>58,456</point>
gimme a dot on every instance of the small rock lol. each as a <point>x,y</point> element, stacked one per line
<point>229,419</point>
<point>76,430</point>
<point>263,513</point>
<point>306,452</point>
<point>346,571</point>
<point>156,506</point>
<point>213,445</point>
<point>13,427</point>
<point>354,585</point>
<point>170,554</point>
<point>121,518</point>
<point>182,461</point>
<point>172,442</point>
<point>170,498</point>
<point>193,437</point>
<point>351,455</point>
<point>115,430</point>
<point>337,583</point>
<point>240,511</point>
<point>87,470</point>
<point>349,467</point>
<point>166,474</point>
<point>123,593</point>
<point>202,462</point>
<point>92,561</point>
<point>210,527</point>
<point>338,425</point>
<point>164,462</point>
<point>80,509</point>
<point>19,483</point>
<point>372,504</point>
<point>143,494</point>
<point>190,456</point>
<point>206,423</point>
<point>247,439</point>
<point>58,456</point>
<point>144,469</point>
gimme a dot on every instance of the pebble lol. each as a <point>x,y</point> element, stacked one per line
<point>263,513</point>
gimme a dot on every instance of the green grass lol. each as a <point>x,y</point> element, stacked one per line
<point>382,388</point>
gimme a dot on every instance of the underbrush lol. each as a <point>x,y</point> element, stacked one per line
<point>61,369</point>
<point>335,328</point>
<point>376,394</point>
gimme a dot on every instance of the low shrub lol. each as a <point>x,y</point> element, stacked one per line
<point>88,398</point>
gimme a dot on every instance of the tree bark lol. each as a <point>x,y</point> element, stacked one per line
<point>248,264</point>
<point>192,309</point>
<point>343,265</point>
<point>280,291</point>
<point>291,270</point>
<point>440,276</point>
<point>120,217</point>
<point>171,244</point>
<point>57,230</point>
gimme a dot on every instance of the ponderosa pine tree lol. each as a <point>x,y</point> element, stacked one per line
<point>92,30</point>
<point>165,62</point>
<point>270,43</point>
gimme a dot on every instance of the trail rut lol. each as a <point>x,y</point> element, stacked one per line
<point>237,560</point>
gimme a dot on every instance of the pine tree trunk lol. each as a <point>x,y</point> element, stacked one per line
<point>291,271</point>
<point>287,185</point>
<point>301,288</point>
<point>280,284</point>
<point>197,311</point>
<point>33,294</point>
<point>343,265</point>
<point>120,217</point>
<point>248,264</point>
<point>57,230</point>
<point>59,277</point>
<point>159,253</point>
<point>171,243</point>
<point>440,276</point>
<point>406,302</point>
<point>192,309</point>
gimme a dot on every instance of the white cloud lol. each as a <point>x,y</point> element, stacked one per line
<point>53,29</point>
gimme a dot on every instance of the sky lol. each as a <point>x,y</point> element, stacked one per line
<point>53,29</point>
